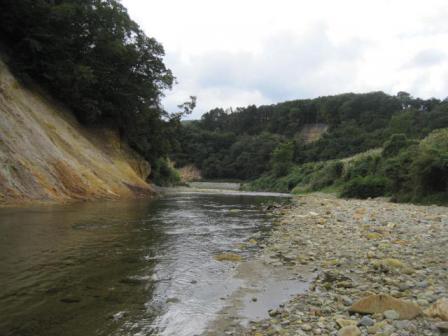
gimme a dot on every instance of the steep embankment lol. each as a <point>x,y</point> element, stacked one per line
<point>45,155</point>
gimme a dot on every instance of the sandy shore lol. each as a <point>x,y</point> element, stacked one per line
<point>358,249</point>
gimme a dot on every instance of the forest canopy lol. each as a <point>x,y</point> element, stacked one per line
<point>91,56</point>
<point>251,141</point>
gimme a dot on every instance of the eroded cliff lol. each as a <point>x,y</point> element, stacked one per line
<point>46,155</point>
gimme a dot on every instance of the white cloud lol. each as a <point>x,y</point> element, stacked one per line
<point>234,53</point>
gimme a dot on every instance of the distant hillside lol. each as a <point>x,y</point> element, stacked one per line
<point>248,142</point>
<point>405,170</point>
<point>45,155</point>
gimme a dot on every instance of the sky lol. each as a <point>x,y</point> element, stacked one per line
<point>239,52</point>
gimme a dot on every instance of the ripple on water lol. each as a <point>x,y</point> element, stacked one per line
<point>127,268</point>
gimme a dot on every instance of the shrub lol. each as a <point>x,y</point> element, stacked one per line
<point>327,175</point>
<point>282,159</point>
<point>362,167</point>
<point>164,174</point>
<point>430,173</point>
<point>365,187</point>
<point>395,144</point>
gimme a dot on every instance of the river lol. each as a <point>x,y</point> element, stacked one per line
<point>124,268</point>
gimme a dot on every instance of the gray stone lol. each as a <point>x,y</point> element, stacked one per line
<point>391,315</point>
<point>442,326</point>
<point>366,321</point>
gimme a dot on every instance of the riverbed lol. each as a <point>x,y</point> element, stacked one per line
<point>143,267</point>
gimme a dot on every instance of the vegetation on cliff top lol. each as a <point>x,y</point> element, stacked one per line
<point>91,56</point>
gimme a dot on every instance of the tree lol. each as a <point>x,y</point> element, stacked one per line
<point>282,158</point>
<point>404,98</point>
<point>90,55</point>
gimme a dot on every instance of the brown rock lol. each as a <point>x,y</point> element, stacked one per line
<point>438,309</point>
<point>380,303</point>
<point>345,323</point>
<point>349,331</point>
<point>228,257</point>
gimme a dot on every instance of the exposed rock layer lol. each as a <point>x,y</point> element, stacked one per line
<point>45,155</point>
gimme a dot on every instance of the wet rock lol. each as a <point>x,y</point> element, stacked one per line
<point>118,316</point>
<point>285,323</point>
<point>380,303</point>
<point>228,257</point>
<point>172,300</point>
<point>274,312</point>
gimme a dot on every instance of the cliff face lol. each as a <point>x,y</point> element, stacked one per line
<point>312,132</point>
<point>45,155</point>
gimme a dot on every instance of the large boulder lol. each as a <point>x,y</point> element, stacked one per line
<point>439,309</point>
<point>380,303</point>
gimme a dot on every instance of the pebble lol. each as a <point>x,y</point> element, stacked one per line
<point>366,321</point>
<point>391,315</point>
<point>356,249</point>
<point>306,327</point>
<point>349,331</point>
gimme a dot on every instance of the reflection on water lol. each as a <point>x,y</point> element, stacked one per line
<point>121,268</point>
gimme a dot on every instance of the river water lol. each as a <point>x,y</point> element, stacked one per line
<point>123,268</point>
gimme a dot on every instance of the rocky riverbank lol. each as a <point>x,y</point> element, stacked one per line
<point>382,268</point>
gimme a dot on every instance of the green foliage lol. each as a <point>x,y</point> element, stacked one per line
<point>395,144</point>
<point>363,167</point>
<point>281,159</point>
<point>327,175</point>
<point>164,174</point>
<point>365,187</point>
<point>223,155</point>
<point>429,170</point>
<point>416,172</point>
<point>90,55</point>
<point>356,123</point>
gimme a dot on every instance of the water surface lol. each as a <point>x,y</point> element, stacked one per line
<point>123,268</point>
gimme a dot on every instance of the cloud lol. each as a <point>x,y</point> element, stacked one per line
<point>235,53</point>
<point>286,66</point>
<point>428,57</point>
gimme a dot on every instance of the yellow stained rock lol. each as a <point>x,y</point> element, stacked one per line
<point>345,323</point>
<point>392,264</point>
<point>228,257</point>
<point>380,303</point>
<point>373,235</point>
<point>349,331</point>
<point>438,309</point>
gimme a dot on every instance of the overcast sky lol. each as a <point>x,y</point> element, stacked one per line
<point>239,52</point>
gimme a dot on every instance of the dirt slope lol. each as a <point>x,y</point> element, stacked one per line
<point>312,132</point>
<point>45,155</point>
